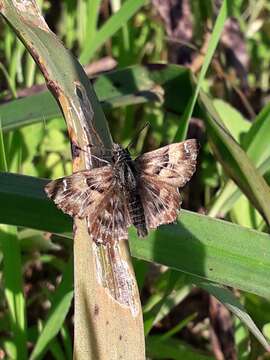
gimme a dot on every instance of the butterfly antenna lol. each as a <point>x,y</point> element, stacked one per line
<point>138,133</point>
<point>75,148</point>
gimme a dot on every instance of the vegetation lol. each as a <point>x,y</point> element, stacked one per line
<point>192,70</point>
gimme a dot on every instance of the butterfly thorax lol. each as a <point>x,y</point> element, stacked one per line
<point>126,175</point>
<point>124,169</point>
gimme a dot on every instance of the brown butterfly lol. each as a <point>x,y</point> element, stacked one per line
<point>143,192</point>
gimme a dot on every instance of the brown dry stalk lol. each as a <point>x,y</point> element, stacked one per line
<point>108,318</point>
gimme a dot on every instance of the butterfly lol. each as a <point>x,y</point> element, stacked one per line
<point>143,192</point>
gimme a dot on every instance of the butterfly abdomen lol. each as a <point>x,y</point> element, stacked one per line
<point>128,175</point>
<point>136,213</point>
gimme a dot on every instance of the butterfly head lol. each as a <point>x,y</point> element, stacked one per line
<point>120,154</point>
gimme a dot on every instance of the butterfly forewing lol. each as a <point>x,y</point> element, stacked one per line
<point>94,195</point>
<point>173,164</point>
<point>81,193</point>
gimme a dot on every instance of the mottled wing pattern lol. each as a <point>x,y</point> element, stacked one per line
<point>174,164</point>
<point>81,193</point>
<point>161,202</point>
<point>161,173</point>
<point>94,195</point>
<point>110,221</point>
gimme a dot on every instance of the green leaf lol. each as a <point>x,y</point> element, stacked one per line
<point>170,290</point>
<point>235,161</point>
<point>199,245</point>
<point>212,249</point>
<point>181,133</point>
<point>3,160</point>
<point>67,342</point>
<point>92,19</point>
<point>12,273</point>
<point>178,327</point>
<point>61,301</point>
<point>227,298</point>
<point>233,119</point>
<point>112,25</point>
<point>19,193</point>
<point>172,349</point>
<point>28,110</point>
<point>133,85</point>
<point>255,143</point>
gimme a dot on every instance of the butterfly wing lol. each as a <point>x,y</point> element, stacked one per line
<point>94,195</point>
<point>161,173</point>
<point>110,222</point>
<point>161,202</point>
<point>173,164</point>
<point>80,192</point>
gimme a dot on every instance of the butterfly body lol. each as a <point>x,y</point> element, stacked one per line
<point>126,174</point>
<point>143,192</point>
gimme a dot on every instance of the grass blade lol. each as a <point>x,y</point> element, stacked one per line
<point>255,143</point>
<point>3,159</point>
<point>212,249</point>
<point>112,25</point>
<point>61,301</point>
<point>172,349</point>
<point>12,273</point>
<point>92,19</point>
<point>216,250</point>
<point>222,16</point>
<point>226,297</point>
<point>133,85</point>
<point>235,161</point>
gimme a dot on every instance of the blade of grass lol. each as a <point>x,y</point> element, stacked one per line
<point>61,301</point>
<point>14,65</point>
<point>172,349</point>
<point>67,342</point>
<point>213,42</point>
<point>10,83</point>
<point>34,198</point>
<point>3,159</point>
<point>112,25</point>
<point>230,193</point>
<point>178,327</point>
<point>209,248</point>
<point>255,143</point>
<point>226,297</point>
<point>234,160</point>
<point>170,290</point>
<point>92,20</point>
<point>12,273</point>
<point>56,350</point>
<point>133,85</point>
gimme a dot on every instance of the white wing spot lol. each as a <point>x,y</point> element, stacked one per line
<point>65,184</point>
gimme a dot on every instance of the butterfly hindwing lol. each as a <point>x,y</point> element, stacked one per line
<point>110,222</point>
<point>161,201</point>
<point>161,173</point>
